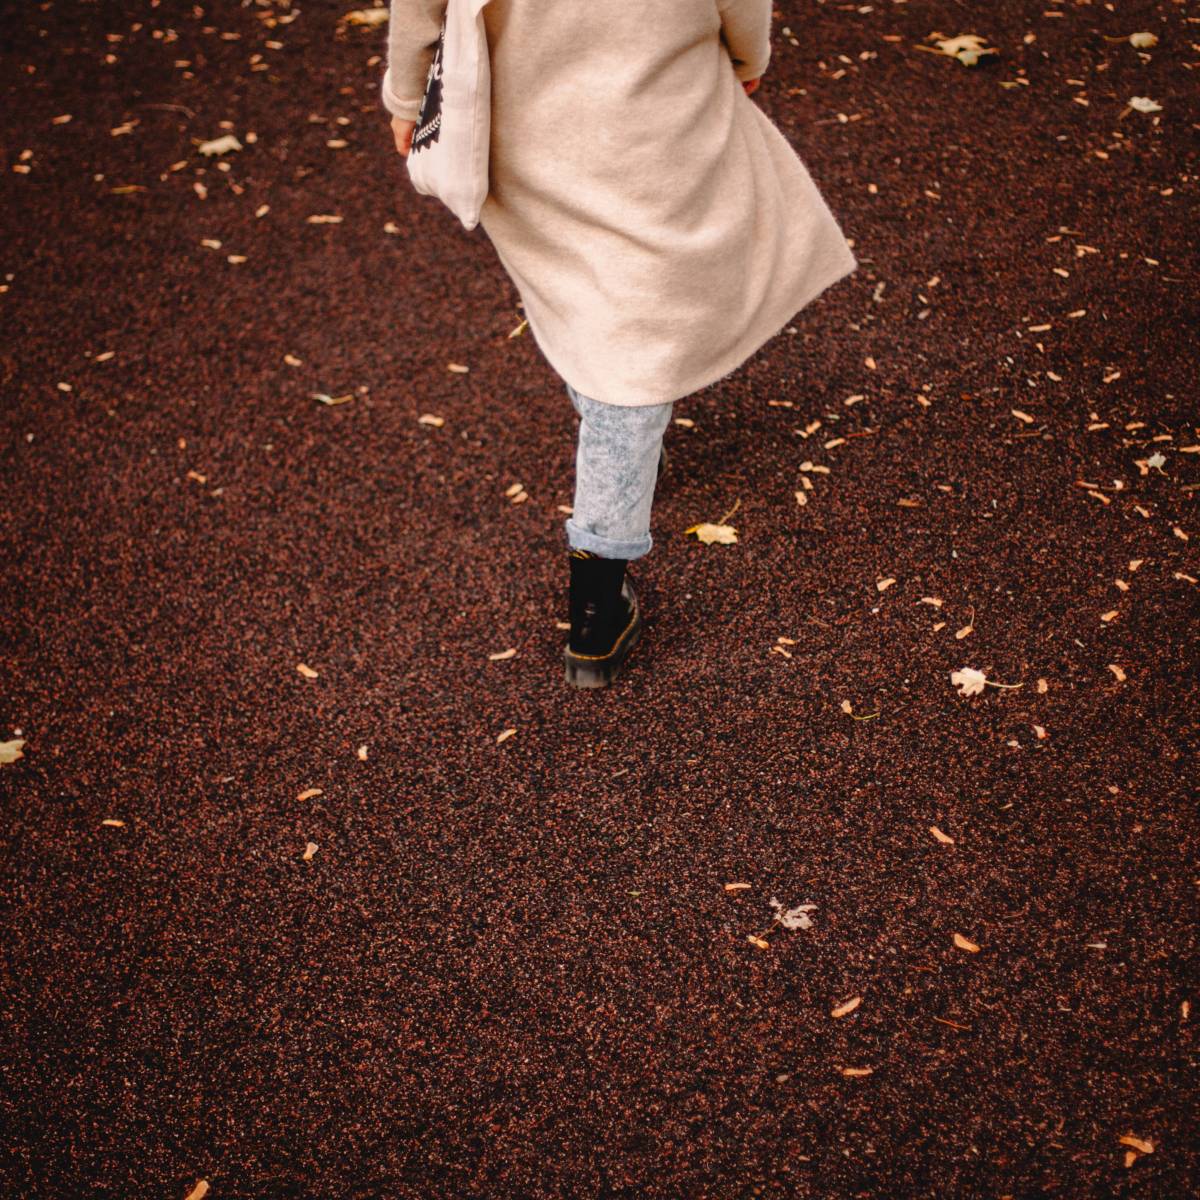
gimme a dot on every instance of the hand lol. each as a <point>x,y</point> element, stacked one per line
<point>750,86</point>
<point>402,131</point>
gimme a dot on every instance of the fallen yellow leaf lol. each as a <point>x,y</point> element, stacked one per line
<point>725,535</point>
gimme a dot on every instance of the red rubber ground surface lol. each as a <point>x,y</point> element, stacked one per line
<point>511,968</point>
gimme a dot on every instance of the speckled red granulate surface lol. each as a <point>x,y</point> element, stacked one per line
<point>512,968</point>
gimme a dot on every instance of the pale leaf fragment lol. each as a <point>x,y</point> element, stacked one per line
<point>309,850</point>
<point>11,751</point>
<point>431,419</point>
<point>1116,670</point>
<point>221,145</point>
<point>1143,41</point>
<point>883,584</point>
<point>309,793</point>
<point>965,944</point>
<point>969,681</point>
<point>504,735</point>
<point>501,655</point>
<point>845,1009</point>
<point>857,1072</point>
<point>793,918</point>
<point>968,48</point>
<point>199,1191</point>
<point>737,887</point>
<point>368,17</point>
<point>944,838</point>
<point>761,943</point>
<point>113,822</point>
<point>307,671</point>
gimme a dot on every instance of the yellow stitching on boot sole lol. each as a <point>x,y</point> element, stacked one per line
<point>616,644</point>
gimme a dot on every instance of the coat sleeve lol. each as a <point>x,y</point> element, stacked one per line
<point>413,28</point>
<point>746,30</point>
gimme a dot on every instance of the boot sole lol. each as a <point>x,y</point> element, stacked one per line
<point>585,671</point>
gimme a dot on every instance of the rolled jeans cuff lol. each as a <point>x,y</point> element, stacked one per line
<point>579,538</point>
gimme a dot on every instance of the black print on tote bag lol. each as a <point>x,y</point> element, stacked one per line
<point>429,119</point>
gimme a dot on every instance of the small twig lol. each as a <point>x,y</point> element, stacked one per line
<point>174,108</point>
<point>953,1024</point>
<point>730,512</point>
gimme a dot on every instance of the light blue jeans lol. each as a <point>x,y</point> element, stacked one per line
<point>616,468</point>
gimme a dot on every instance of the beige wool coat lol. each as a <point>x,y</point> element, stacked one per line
<point>658,226</point>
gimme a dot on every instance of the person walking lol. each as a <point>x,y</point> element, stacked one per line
<point>657,225</point>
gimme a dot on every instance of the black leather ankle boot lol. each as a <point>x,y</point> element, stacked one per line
<point>606,619</point>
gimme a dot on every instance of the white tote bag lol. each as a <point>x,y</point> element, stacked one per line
<point>449,155</point>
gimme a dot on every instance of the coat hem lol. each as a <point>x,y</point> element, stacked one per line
<point>746,348</point>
